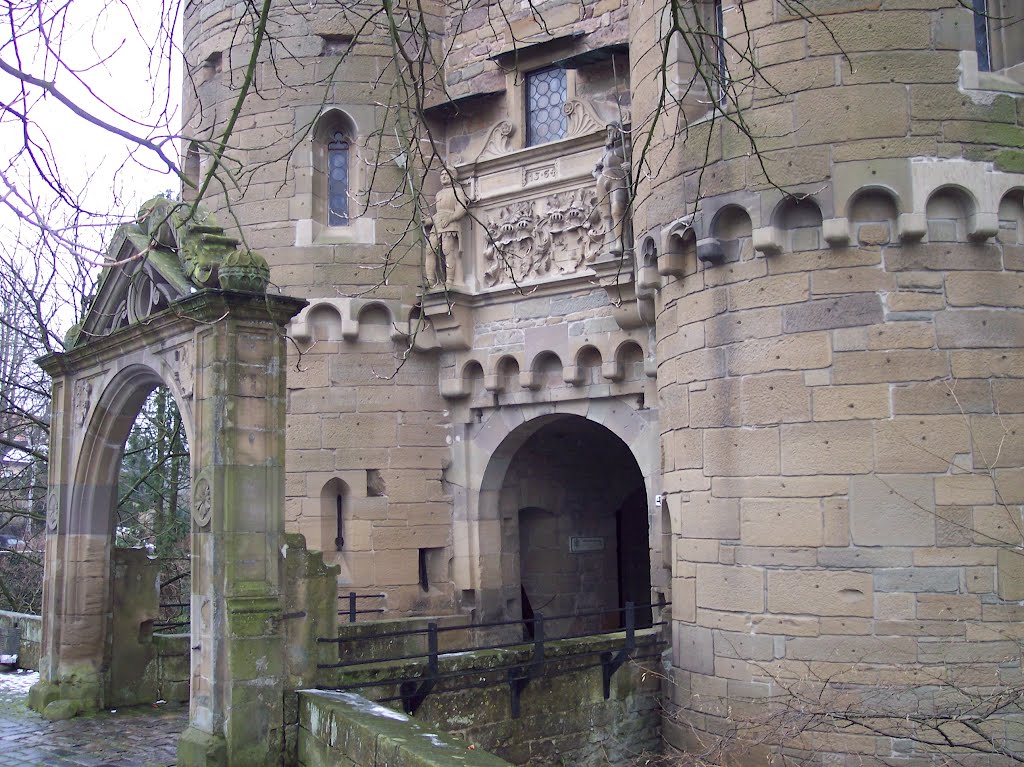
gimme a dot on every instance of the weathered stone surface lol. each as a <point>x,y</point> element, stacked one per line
<point>892,510</point>
<point>820,593</point>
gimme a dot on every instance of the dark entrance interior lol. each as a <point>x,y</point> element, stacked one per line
<point>575,511</point>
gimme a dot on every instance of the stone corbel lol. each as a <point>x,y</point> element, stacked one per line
<point>982,226</point>
<point>452,323</point>
<point>573,375</point>
<point>493,383</point>
<point>455,388</point>
<point>615,275</point>
<point>836,231</point>
<point>911,227</point>
<point>709,251</point>
<point>613,371</point>
<point>671,261</point>
<point>767,240</point>
<point>530,380</point>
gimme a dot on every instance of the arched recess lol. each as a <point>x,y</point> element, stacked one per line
<point>1011,217</point>
<point>949,211</point>
<point>586,471</point>
<point>873,214</point>
<point>221,354</point>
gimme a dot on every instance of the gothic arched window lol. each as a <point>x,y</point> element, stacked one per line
<point>337,179</point>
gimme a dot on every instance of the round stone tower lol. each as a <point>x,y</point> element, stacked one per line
<point>316,175</point>
<point>835,206</point>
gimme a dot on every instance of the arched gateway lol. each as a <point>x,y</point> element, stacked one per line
<point>183,307</point>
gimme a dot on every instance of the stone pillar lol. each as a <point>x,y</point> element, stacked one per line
<point>236,712</point>
<point>73,607</point>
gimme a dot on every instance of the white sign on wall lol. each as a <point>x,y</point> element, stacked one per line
<point>580,545</point>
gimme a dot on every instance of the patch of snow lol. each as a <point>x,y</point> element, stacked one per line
<point>359,703</point>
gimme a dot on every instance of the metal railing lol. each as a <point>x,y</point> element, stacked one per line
<point>413,690</point>
<point>353,602</point>
<point>182,608</point>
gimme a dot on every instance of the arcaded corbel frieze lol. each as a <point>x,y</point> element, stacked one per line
<point>767,240</point>
<point>454,388</point>
<point>836,231</point>
<point>337,319</point>
<point>613,370</point>
<point>573,374</point>
<point>911,227</point>
<point>982,226</point>
<point>709,250</point>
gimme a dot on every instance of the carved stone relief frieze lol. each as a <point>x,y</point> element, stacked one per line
<point>554,235</point>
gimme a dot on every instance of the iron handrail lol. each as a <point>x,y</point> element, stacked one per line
<point>414,689</point>
<point>492,624</point>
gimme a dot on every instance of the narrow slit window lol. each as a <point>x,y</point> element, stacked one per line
<point>337,180</point>
<point>424,572</point>
<point>339,541</point>
<point>545,99</point>
<point>721,63</point>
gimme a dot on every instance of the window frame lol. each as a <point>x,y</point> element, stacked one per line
<point>996,60</point>
<point>530,77</point>
<point>313,224</point>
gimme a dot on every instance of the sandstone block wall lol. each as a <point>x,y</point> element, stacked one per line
<point>843,466</point>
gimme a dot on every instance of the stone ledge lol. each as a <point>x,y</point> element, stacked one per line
<point>345,728</point>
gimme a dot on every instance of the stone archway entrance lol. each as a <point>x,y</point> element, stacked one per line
<point>183,308</point>
<point>574,524</point>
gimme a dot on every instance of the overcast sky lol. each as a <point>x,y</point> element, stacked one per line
<point>115,66</point>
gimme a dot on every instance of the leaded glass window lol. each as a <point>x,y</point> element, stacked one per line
<point>981,39</point>
<point>337,180</point>
<point>545,97</point>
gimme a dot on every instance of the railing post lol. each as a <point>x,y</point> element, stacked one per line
<point>432,648</point>
<point>351,607</point>
<point>630,626</point>
<point>538,640</point>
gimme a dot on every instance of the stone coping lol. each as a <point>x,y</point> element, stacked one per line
<point>368,734</point>
<point>648,641</point>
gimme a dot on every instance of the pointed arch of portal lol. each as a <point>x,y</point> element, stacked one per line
<point>486,564</point>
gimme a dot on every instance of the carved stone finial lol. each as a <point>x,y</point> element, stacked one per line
<point>244,271</point>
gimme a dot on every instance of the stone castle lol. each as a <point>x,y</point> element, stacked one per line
<point>707,303</point>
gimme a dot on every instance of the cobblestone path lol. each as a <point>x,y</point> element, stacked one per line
<point>135,737</point>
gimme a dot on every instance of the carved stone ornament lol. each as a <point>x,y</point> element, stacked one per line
<point>202,502</point>
<point>184,369</point>
<point>499,141</point>
<point>82,400</point>
<point>580,118</point>
<point>554,235</point>
<point>52,511</point>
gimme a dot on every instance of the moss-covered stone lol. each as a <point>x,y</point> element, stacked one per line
<point>59,710</point>
<point>201,749</point>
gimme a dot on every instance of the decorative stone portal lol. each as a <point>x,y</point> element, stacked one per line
<point>560,522</point>
<point>221,354</point>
